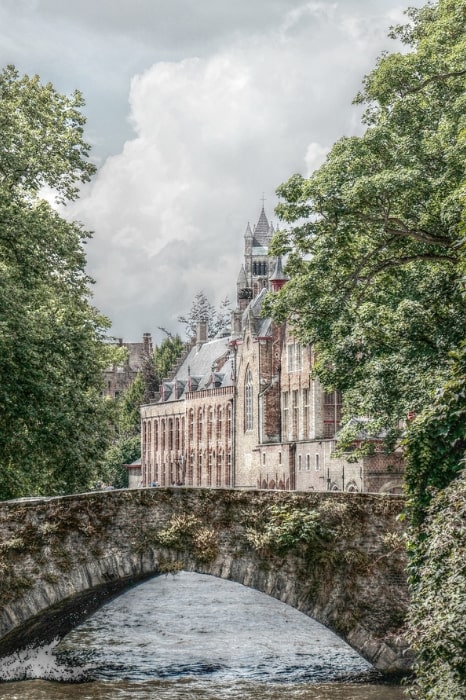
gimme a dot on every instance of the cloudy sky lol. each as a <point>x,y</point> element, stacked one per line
<point>195,109</point>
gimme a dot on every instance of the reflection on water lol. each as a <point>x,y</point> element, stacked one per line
<point>194,636</point>
<point>195,625</point>
<point>194,690</point>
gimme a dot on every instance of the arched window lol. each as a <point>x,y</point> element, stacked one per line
<point>229,422</point>
<point>210,422</point>
<point>156,435</point>
<point>191,424</point>
<point>200,423</point>
<point>162,434</point>
<point>177,434</point>
<point>191,469</point>
<point>170,433</point>
<point>210,459</point>
<point>248,416</point>
<point>219,422</point>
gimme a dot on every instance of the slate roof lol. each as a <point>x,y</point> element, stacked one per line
<point>262,231</point>
<point>208,366</point>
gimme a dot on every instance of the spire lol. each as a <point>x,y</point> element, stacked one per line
<point>262,226</point>
<point>242,279</point>
<point>248,232</point>
<point>278,277</point>
<point>262,230</point>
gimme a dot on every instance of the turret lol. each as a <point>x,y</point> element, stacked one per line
<point>278,277</point>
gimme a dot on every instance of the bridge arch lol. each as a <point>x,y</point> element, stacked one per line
<point>64,557</point>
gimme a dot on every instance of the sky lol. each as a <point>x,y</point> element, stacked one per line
<point>197,110</point>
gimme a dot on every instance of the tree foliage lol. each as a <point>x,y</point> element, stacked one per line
<point>376,248</point>
<point>53,423</point>
<point>373,235</point>
<point>437,619</point>
<point>202,310</point>
<point>125,411</point>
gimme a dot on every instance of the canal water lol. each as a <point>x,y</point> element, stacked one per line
<point>193,636</point>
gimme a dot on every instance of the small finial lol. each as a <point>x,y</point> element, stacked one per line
<point>263,199</point>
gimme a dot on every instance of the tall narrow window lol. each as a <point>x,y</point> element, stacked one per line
<point>298,363</point>
<point>228,469</point>
<point>177,434</point>
<point>295,414</point>
<point>248,417</point>
<point>191,424</point>
<point>305,413</point>
<point>219,422</point>
<point>285,415</point>
<point>229,422</point>
<point>191,469</point>
<point>156,435</point>
<point>162,434</point>
<point>210,422</point>
<point>332,413</point>
<point>290,357</point>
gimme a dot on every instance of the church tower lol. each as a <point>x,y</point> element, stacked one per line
<point>257,268</point>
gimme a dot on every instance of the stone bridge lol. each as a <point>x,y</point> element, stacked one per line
<point>338,558</point>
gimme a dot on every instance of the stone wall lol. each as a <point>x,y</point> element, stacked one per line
<point>339,558</point>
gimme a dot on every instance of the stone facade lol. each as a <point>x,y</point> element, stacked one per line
<point>61,558</point>
<point>244,411</point>
<point>117,378</point>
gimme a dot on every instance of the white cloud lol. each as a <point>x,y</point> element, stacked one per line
<point>315,156</point>
<point>212,132</point>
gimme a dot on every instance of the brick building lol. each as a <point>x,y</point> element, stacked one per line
<point>242,410</point>
<point>118,377</point>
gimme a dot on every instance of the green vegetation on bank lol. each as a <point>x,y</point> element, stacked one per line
<point>375,246</point>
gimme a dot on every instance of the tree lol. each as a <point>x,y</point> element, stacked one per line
<point>202,310</point>
<point>437,619</point>
<point>125,444</point>
<point>53,421</point>
<point>373,241</point>
<point>376,259</point>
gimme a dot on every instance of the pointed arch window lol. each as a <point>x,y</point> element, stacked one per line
<point>248,403</point>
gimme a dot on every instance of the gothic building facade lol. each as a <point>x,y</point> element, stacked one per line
<point>242,410</point>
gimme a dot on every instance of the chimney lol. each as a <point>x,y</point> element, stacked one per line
<point>147,343</point>
<point>201,333</point>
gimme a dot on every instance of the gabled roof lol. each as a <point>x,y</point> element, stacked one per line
<point>205,367</point>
